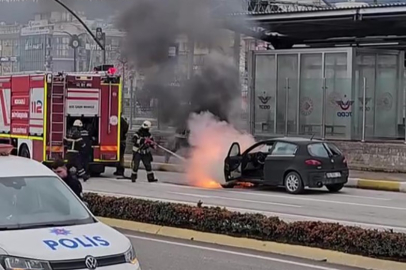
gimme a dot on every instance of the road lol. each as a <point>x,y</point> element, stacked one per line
<point>366,208</point>
<point>157,253</point>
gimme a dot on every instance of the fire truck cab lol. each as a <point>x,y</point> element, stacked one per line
<point>37,110</point>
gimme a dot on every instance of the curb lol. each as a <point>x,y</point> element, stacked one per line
<point>303,252</point>
<point>361,183</point>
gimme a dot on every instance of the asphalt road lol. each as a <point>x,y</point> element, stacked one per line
<point>157,253</point>
<point>366,208</point>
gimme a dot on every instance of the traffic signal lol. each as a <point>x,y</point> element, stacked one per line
<point>101,36</point>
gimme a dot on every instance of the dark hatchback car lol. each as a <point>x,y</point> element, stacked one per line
<point>294,163</point>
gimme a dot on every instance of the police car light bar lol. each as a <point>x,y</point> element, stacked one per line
<point>5,149</point>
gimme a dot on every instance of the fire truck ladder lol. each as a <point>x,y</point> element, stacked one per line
<point>57,115</point>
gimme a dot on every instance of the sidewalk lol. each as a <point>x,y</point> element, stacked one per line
<point>358,179</point>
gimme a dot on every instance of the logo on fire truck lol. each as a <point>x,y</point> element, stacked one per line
<point>36,106</point>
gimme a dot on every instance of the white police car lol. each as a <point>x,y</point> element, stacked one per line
<point>44,226</point>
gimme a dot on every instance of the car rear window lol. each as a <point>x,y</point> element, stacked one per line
<point>334,149</point>
<point>317,150</point>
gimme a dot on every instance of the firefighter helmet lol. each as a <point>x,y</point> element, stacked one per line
<point>77,123</point>
<point>146,125</point>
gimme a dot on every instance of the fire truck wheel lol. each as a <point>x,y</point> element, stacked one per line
<point>24,151</point>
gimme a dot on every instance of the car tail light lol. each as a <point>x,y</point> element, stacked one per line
<point>313,162</point>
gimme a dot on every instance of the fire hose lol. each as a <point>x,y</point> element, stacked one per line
<point>166,150</point>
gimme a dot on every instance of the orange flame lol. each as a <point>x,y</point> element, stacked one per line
<point>210,141</point>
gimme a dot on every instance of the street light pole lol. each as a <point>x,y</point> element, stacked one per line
<point>75,64</point>
<point>82,23</point>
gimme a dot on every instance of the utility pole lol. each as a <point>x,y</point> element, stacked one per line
<point>132,104</point>
<point>101,37</point>
<point>75,44</point>
<point>102,46</point>
<point>191,53</point>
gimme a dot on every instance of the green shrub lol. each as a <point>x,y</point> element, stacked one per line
<point>333,236</point>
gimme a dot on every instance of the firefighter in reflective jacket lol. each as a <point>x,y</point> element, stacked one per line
<point>74,143</point>
<point>143,142</point>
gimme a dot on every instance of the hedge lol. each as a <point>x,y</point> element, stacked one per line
<point>387,245</point>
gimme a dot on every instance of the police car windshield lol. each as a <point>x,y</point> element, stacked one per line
<point>39,201</point>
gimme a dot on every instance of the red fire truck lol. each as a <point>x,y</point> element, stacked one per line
<point>37,109</point>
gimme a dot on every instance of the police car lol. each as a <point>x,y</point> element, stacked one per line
<point>44,226</point>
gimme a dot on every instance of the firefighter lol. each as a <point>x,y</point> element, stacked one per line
<point>86,151</point>
<point>143,142</point>
<point>123,137</point>
<point>74,143</point>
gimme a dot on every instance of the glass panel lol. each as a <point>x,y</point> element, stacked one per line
<point>235,150</point>
<point>311,94</point>
<point>317,150</point>
<point>264,94</point>
<point>339,101</point>
<point>386,124</point>
<point>39,200</point>
<point>287,80</point>
<point>282,149</point>
<point>365,68</point>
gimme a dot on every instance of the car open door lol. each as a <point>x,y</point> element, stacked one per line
<point>232,170</point>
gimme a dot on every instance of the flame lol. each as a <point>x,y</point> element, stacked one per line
<point>210,141</point>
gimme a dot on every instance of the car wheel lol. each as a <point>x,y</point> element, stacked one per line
<point>294,183</point>
<point>228,185</point>
<point>334,187</point>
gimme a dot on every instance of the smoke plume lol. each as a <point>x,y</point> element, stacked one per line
<point>205,101</point>
<point>152,26</point>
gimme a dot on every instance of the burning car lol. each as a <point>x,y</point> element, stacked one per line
<point>294,163</point>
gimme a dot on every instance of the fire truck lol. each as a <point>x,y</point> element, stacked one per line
<point>38,108</point>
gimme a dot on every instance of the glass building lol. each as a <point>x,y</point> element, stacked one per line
<point>9,48</point>
<point>320,92</point>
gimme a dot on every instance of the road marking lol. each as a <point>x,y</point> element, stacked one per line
<point>251,193</point>
<point>259,192</point>
<point>323,201</point>
<point>293,217</point>
<point>240,254</point>
<point>295,197</point>
<point>233,199</point>
<point>362,197</point>
<point>247,192</point>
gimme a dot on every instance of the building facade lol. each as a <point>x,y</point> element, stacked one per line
<point>9,48</point>
<point>45,44</point>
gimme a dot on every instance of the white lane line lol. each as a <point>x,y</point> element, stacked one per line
<point>233,199</point>
<point>288,217</point>
<point>296,197</point>
<point>260,191</point>
<point>362,197</point>
<point>320,200</point>
<point>240,254</point>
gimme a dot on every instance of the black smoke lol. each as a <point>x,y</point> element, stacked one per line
<point>153,26</point>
